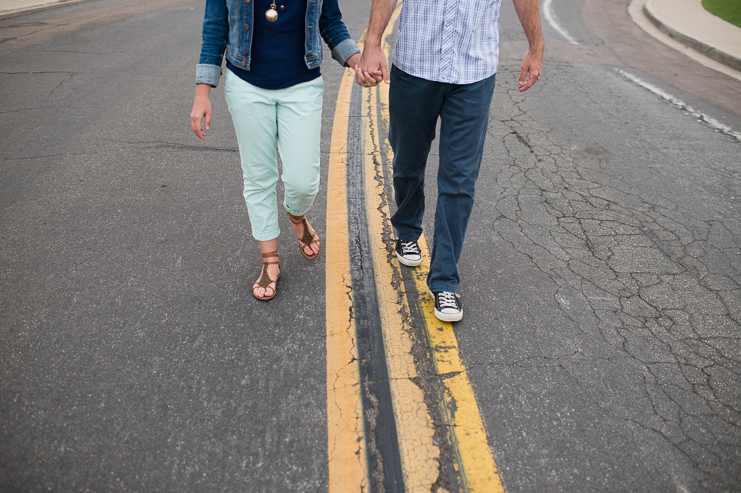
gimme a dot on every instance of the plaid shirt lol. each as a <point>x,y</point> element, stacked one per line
<point>453,41</point>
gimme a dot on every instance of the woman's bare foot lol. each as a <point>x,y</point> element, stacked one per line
<point>265,287</point>
<point>307,236</point>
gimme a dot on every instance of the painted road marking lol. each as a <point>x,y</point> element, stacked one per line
<point>414,425</point>
<point>345,428</point>
<point>700,117</point>
<point>461,422</point>
<point>550,16</point>
<point>466,432</point>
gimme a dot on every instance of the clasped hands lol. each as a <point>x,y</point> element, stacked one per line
<point>372,68</point>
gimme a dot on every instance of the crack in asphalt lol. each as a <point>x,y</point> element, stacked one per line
<point>174,145</point>
<point>660,286</point>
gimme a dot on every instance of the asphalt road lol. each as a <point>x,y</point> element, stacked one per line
<point>601,273</point>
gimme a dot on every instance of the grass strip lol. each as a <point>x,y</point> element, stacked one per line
<point>728,10</point>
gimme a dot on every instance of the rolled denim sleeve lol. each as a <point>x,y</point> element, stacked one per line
<point>208,74</point>
<point>335,34</point>
<point>344,50</point>
<point>214,35</point>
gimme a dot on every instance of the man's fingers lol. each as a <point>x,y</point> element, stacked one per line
<point>529,75</point>
<point>523,75</point>
<point>360,76</point>
<point>370,79</point>
<point>385,73</point>
<point>375,75</point>
<point>365,78</point>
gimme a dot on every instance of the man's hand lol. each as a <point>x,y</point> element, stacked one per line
<point>532,68</point>
<point>373,67</point>
<point>201,109</point>
<point>532,64</point>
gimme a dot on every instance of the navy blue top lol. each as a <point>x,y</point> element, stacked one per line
<point>278,48</point>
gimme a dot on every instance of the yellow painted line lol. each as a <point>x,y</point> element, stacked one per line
<point>414,426</point>
<point>345,429</point>
<point>478,469</point>
<point>475,460</point>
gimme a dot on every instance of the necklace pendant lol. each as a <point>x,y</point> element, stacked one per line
<point>271,14</point>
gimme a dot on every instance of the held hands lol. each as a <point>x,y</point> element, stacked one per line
<point>201,109</point>
<point>372,68</point>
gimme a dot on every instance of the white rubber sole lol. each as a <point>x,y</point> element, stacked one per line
<point>447,317</point>
<point>407,262</point>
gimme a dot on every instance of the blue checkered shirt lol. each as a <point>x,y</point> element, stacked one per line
<point>453,41</point>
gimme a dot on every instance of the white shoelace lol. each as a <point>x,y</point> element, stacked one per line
<point>447,300</point>
<point>409,247</point>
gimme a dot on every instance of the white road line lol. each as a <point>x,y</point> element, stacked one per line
<point>551,18</point>
<point>702,117</point>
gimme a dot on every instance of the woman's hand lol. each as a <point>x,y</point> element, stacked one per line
<point>201,110</point>
<point>353,61</point>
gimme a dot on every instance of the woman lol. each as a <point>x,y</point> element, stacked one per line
<point>274,93</point>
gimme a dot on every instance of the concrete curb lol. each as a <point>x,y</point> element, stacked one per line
<point>714,53</point>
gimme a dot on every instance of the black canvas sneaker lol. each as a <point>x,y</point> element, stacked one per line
<point>448,306</point>
<point>408,253</point>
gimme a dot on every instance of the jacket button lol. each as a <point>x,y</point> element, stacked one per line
<point>246,27</point>
<point>246,1</point>
<point>244,53</point>
<point>244,63</point>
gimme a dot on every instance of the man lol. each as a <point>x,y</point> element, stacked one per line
<point>444,65</point>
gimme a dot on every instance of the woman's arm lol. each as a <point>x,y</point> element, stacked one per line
<point>335,34</point>
<point>215,33</point>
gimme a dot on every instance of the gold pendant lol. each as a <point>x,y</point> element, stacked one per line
<point>271,14</point>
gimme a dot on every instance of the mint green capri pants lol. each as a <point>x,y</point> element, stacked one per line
<point>291,119</point>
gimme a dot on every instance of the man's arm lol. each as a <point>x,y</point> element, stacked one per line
<point>373,65</point>
<point>532,64</point>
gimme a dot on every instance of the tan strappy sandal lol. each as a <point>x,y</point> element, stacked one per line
<point>307,239</point>
<point>265,281</point>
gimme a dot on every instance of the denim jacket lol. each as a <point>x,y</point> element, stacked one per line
<point>227,27</point>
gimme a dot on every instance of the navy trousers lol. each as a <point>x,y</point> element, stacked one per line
<point>414,107</point>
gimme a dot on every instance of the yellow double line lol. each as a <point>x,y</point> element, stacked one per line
<point>464,429</point>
